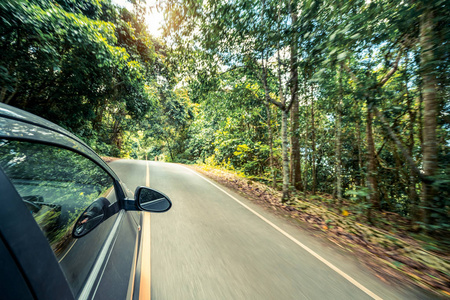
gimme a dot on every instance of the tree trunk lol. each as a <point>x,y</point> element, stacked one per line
<point>97,122</point>
<point>170,149</point>
<point>306,145</point>
<point>116,139</point>
<point>269,130</point>
<point>412,179</point>
<point>284,143</point>
<point>421,115</point>
<point>372,180</point>
<point>269,112</point>
<point>339,143</point>
<point>284,128</point>
<point>360,161</point>
<point>313,146</point>
<point>429,150</point>
<point>295,171</point>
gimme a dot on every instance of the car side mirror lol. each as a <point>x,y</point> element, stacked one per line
<point>148,199</point>
<point>92,216</point>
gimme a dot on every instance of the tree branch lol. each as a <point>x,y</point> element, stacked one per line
<point>232,69</point>
<point>399,144</point>
<point>385,78</point>
<point>385,123</point>
<point>270,99</point>
<point>352,75</point>
<point>392,71</point>
<point>266,91</point>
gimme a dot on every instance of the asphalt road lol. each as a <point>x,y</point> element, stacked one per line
<point>214,244</point>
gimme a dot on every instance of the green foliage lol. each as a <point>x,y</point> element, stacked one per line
<point>353,56</point>
<point>87,65</point>
<point>93,68</point>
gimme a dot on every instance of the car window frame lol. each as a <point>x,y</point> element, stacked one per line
<point>34,133</point>
<point>25,241</point>
<point>94,276</point>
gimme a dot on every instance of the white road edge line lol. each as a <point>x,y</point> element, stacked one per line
<point>306,248</point>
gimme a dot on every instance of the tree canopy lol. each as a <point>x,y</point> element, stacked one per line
<point>348,98</point>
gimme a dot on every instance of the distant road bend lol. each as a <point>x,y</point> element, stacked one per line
<point>215,244</point>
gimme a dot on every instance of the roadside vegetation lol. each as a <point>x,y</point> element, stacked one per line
<point>341,108</point>
<point>90,66</point>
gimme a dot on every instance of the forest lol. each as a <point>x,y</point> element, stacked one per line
<point>348,99</point>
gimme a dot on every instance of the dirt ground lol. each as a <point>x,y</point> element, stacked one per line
<point>108,159</point>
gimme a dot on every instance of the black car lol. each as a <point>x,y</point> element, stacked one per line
<point>69,228</point>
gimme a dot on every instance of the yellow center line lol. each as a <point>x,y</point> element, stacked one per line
<point>67,251</point>
<point>145,282</point>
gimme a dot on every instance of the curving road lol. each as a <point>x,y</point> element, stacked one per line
<point>214,244</point>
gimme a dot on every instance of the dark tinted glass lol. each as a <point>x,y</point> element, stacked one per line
<point>57,185</point>
<point>152,200</point>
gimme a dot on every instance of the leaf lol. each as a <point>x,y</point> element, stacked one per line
<point>342,56</point>
<point>333,36</point>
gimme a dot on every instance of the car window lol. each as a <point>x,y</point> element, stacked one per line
<point>57,185</point>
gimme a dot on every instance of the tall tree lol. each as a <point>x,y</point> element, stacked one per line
<point>430,147</point>
<point>295,168</point>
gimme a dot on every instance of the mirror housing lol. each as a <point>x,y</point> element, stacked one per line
<point>151,200</point>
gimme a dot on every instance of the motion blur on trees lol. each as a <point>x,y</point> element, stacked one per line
<point>348,98</point>
<point>90,66</point>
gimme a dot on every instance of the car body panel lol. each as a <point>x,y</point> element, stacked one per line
<point>111,249</point>
<point>120,262</point>
<point>14,278</point>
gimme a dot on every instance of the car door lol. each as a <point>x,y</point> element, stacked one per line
<point>55,186</point>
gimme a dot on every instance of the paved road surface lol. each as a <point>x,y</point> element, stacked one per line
<point>210,246</point>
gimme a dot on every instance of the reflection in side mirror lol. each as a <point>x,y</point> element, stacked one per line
<point>91,217</point>
<point>152,200</point>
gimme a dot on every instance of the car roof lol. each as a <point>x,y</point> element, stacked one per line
<point>21,125</point>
